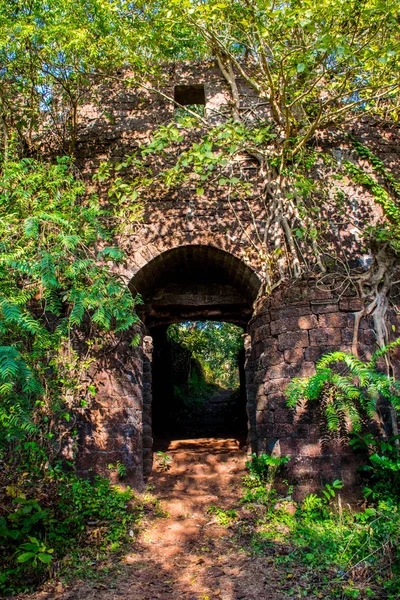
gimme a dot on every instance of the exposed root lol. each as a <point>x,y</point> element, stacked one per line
<point>374,287</point>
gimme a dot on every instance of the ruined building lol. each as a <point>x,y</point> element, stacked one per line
<point>195,255</point>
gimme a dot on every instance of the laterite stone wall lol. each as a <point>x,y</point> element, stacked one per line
<point>194,256</point>
<point>290,332</point>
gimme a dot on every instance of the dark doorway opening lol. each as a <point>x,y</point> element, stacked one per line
<point>187,95</point>
<point>192,283</point>
<point>198,382</point>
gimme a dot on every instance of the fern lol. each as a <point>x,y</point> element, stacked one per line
<point>343,395</point>
<point>53,281</point>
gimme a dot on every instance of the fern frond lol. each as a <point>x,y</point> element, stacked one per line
<point>381,352</point>
<point>295,392</point>
<point>332,417</point>
<point>346,386</point>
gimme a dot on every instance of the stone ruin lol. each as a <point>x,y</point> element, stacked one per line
<point>191,258</point>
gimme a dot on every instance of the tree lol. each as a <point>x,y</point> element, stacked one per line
<point>313,68</point>
<point>215,345</point>
<point>55,279</point>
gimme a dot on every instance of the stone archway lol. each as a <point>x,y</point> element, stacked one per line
<point>287,333</point>
<point>192,282</point>
<point>195,281</point>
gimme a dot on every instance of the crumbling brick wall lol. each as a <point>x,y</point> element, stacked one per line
<point>288,330</point>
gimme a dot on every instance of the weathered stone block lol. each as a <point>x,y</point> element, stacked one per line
<point>280,371</point>
<point>314,353</point>
<point>260,416</point>
<point>257,349</point>
<point>262,333</point>
<point>291,311</point>
<point>293,324</point>
<point>305,369</point>
<point>367,337</point>
<point>319,308</point>
<point>270,358</point>
<point>262,402</point>
<point>351,304</point>
<point>294,355</point>
<point>284,416</point>
<point>275,385</point>
<point>259,376</point>
<point>347,335</point>
<point>281,430</point>
<point>310,450</point>
<point>287,341</point>
<point>270,416</point>
<point>264,430</point>
<point>321,337</point>
<point>276,401</point>
<point>333,320</point>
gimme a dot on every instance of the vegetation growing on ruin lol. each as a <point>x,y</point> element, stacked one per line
<point>317,66</point>
<point>348,391</point>
<point>345,553</point>
<point>56,283</point>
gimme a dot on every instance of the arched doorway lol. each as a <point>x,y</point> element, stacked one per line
<point>189,283</point>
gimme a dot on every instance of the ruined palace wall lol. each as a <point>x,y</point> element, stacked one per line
<point>289,330</point>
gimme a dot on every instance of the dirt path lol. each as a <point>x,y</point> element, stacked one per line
<point>188,555</point>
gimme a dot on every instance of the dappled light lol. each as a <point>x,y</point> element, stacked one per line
<point>199,300</point>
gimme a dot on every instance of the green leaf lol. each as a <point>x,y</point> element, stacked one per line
<point>45,558</point>
<point>22,558</point>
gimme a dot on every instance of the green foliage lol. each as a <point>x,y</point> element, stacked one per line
<point>315,64</point>
<point>223,517</point>
<point>120,468</point>
<point>383,466</point>
<point>198,388</point>
<point>313,502</point>
<point>384,232</point>
<point>35,551</point>
<point>387,195</point>
<point>345,393</point>
<point>262,471</point>
<point>341,551</point>
<point>378,166</point>
<point>295,50</point>
<point>56,281</point>
<point>215,345</point>
<point>261,465</point>
<point>65,519</point>
<point>53,281</point>
<point>163,461</point>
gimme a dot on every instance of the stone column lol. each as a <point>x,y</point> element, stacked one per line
<point>290,332</point>
<point>112,431</point>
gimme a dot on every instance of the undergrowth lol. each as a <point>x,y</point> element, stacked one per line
<point>346,552</point>
<point>55,523</point>
<point>343,552</point>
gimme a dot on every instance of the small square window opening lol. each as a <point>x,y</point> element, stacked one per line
<point>189,95</point>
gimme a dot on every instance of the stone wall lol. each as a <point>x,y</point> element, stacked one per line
<point>113,428</point>
<point>290,332</point>
<point>195,256</point>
